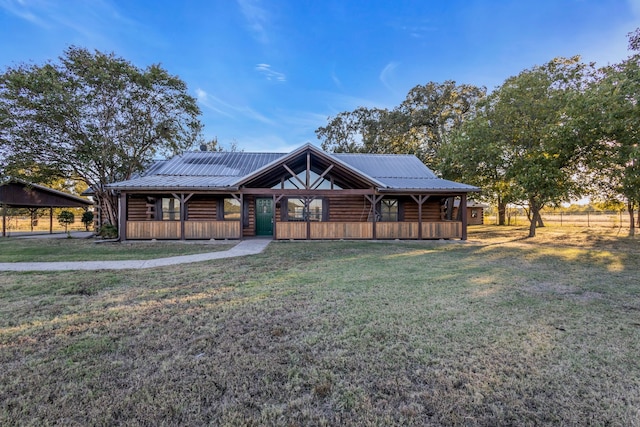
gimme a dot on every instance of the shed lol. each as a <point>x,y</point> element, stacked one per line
<point>21,194</point>
<point>475,211</point>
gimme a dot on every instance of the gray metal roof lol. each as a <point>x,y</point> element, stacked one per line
<point>387,165</point>
<point>209,163</point>
<point>219,170</point>
<point>400,171</point>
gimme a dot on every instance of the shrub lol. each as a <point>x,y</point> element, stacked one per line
<point>87,219</point>
<point>108,231</point>
<point>65,218</point>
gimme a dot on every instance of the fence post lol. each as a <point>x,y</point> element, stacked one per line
<point>588,224</point>
<point>560,218</point>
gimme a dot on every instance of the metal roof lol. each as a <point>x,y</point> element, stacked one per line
<point>197,170</point>
<point>212,163</point>
<point>387,165</point>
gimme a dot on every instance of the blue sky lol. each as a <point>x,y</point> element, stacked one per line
<point>267,73</point>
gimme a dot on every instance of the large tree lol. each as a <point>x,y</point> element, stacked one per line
<point>419,125</point>
<point>474,154</point>
<point>93,117</point>
<point>616,163</point>
<point>528,142</point>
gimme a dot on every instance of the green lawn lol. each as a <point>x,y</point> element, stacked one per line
<point>41,250</point>
<point>496,331</point>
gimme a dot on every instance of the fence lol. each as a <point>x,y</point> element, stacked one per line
<point>561,218</point>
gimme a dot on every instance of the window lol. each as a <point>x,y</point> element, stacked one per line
<point>170,209</point>
<point>231,210</point>
<point>301,210</point>
<point>474,213</point>
<point>389,210</point>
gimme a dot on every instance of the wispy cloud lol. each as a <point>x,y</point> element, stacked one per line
<point>335,79</point>
<point>270,74</point>
<point>87,18</point>
<point>387,74</point>
<point>226,109</point>
<point>257,19</point>
<point>23,11</point>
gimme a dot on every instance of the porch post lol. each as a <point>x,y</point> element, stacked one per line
<point>420,202</point>
<point>122,216</point>
<point>273,216</point>
<point>463,208</point>
<point>241,216</point>
<point>51,220</point>
<point>4,220</point>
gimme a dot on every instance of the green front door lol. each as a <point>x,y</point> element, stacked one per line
<point>264,217</point>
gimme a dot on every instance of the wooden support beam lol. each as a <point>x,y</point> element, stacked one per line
<point>373,199</point>
<point>183,198</point>
<point>51,220</point>
<point>420,199</point>
<point>293,174</point>
<point>308,177</point>
<point>122,216</point>
<point>4,220</point>
<point>306,192</point>
<point>463,208</point>
<point>321,177</point>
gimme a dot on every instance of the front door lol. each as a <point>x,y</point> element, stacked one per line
<point>264,217</point>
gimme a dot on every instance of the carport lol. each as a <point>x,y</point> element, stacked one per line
<point>21,194</point>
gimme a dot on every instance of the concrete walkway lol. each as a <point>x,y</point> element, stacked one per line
<point>245,247</point>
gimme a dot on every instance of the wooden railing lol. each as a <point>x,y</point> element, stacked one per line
<point>212,230</point>
<point>146,230</point>
<point>397,230</point>
<point>341,230</point>
<point>165,230</point>
<point>291,230</point>
<point>442,230</point>
<point>153,230</point>
<point>364,230</point>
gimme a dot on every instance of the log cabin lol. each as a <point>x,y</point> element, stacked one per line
<point>305,194</point>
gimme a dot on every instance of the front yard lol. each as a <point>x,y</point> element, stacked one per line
<point>495,331</point>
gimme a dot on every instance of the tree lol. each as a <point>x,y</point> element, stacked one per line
<point>474,154</point>
<point>528,142</point>
<point>66,218</point>
<point>92,117</point>
<point>87,219</point>
<point>616,165</point>
<point>419,125</point>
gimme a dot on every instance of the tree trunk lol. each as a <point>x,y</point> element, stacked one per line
<point>533,214</point>
<point>632,223</point>
<point>539,220</point>
<point>108,204</point>
<point>502,211</point>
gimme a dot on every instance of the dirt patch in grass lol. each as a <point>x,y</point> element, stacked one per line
<point>493,332</point>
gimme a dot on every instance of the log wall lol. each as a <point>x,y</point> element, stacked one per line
<point>137,209</point>
<point>202,209</point>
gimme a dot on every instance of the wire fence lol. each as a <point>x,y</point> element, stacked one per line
<point>574,219</point>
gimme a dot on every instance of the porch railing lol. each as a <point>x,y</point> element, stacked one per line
<point>364,230</point>
<point>146,230</point>
<point>166,230</point>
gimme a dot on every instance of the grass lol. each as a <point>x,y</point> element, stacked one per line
<point>41,250</point>
<point>496,331</point>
